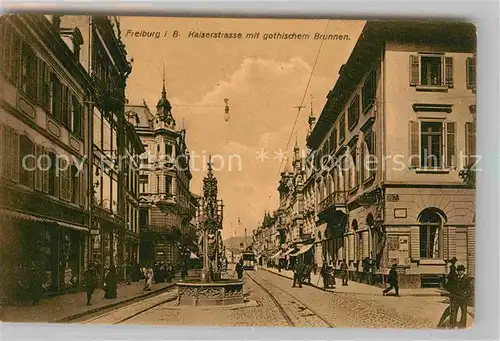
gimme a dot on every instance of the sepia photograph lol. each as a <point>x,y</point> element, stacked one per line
<point>252,172</point>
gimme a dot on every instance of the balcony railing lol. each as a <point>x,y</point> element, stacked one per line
<point>337,198</point>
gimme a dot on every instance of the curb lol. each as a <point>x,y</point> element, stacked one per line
<point>114,304</point>
<point>438,294</point>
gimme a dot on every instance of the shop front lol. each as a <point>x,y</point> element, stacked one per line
<point>36,247</point>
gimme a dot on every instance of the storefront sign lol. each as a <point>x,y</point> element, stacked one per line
<point>400,213</point>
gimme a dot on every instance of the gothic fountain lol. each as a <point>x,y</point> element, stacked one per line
<point>210,288</point>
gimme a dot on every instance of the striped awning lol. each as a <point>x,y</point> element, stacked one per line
<point>31,217</point>
<point>302,250</point>
<point>277,254</point>
<point>289,251</point>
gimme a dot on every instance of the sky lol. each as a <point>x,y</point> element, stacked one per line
<point>264,81</point>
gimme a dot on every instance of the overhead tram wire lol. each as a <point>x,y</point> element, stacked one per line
<point>305,94</point>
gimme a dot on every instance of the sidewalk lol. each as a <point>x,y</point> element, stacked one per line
<point>356,287</point>
<point>67,307</point>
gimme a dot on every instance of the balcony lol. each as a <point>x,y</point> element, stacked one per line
<point>334,200</point>
<point>164,200</point>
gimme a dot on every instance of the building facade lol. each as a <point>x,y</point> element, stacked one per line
<point>167,207</point>
<point>395,132</point>
<point>44,140</point>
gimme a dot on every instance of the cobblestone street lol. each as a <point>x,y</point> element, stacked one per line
<point>301,307</point>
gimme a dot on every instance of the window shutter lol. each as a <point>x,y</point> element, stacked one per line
<point>14,159</point>
<point>45,172</point>
<point>415,242</point>
<point>38,170</point>
<point>451,145</point>
<point>414,72</point>
<point>470,142</point>
<point>362,162</point>
<point>414,145</point>
<point>83,189</point>
<point>62,179</point>
<point>449,71</point>
<point>8,142</point>
<point>69,183</point>
<point>471,72</point>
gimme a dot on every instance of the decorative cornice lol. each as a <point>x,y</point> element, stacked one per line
<point>427,107</point>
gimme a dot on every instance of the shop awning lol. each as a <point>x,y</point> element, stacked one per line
<point>277,254</point>
<point>30,217</point>
<point>193,256</point>
<point>302,250</point>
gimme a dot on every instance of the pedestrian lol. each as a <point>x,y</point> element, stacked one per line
<point>111,283</point>
<point>344,274</point>
<point>279,265</point>
<point>148,275</point>
<point>366,270</point>
<point>392,280</point>
<point>459,297</point>
<point>36,282</point>
<point>239,269</point>
<point>324,274</point>
<point>298,272</point>
<point>90,282</point>
<point>449,287</point>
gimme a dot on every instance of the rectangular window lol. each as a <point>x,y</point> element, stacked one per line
<point>168,184</point>
<point>168,151</point>
<point>431,70</point>
<point>144,187</point>
<point>431,144</point>
<point>471,72</point>
<point>28,71</point>
<point>77,117</point>
<point>75,185</point>
<point>26,161</point>
<point>342,128</point>
<point>370,161</point>
<point>53,175</point>
<point>97,126</point>
<point>333,140</point>
<point>353,112</point>
<point>45,85</point>
<point>56,109</point>
<point>354,169</point>
<point>106,136</point>
<point>470,143</point>
<point>143,216</point>
<point>369,90</point>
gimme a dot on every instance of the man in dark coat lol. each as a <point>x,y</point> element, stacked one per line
<point>392,280</point>
<point>239,269</point>
<point>298,273</point>
<point>459,297</point>
<point>343,271</point>
<point>111,283</point>
<point>324,274</point>
<point>90,282</point>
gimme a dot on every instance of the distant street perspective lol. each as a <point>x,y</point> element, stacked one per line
<point>237,172</point>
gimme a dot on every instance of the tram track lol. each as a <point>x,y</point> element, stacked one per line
<point>109,315</point>
<point>280,307</point>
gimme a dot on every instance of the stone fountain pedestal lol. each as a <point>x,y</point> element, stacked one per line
<point>197,293</point>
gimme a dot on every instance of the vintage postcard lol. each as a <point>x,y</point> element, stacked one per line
<point>237,172</point>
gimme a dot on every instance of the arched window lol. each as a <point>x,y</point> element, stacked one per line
<point>431,221</point>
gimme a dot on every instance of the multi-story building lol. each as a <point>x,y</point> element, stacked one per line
<point>395,132</point>
<point>167,206</point>
<point>103,55</point>
<point>44,143</point>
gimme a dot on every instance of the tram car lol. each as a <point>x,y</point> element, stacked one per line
<point>248,260</point>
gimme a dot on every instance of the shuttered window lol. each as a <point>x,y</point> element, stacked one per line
<point>44,85</point>
<point>451,145</point>
<point>431,70</point>
<point>26,162</point>
<point>471,72</point>
<point>342,128</point>
<point>470,143</point>
<point>65,106</point>
<point>353,112</point>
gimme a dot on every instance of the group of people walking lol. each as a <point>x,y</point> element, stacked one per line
<point>159,273</point>
<point>460,291</point>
